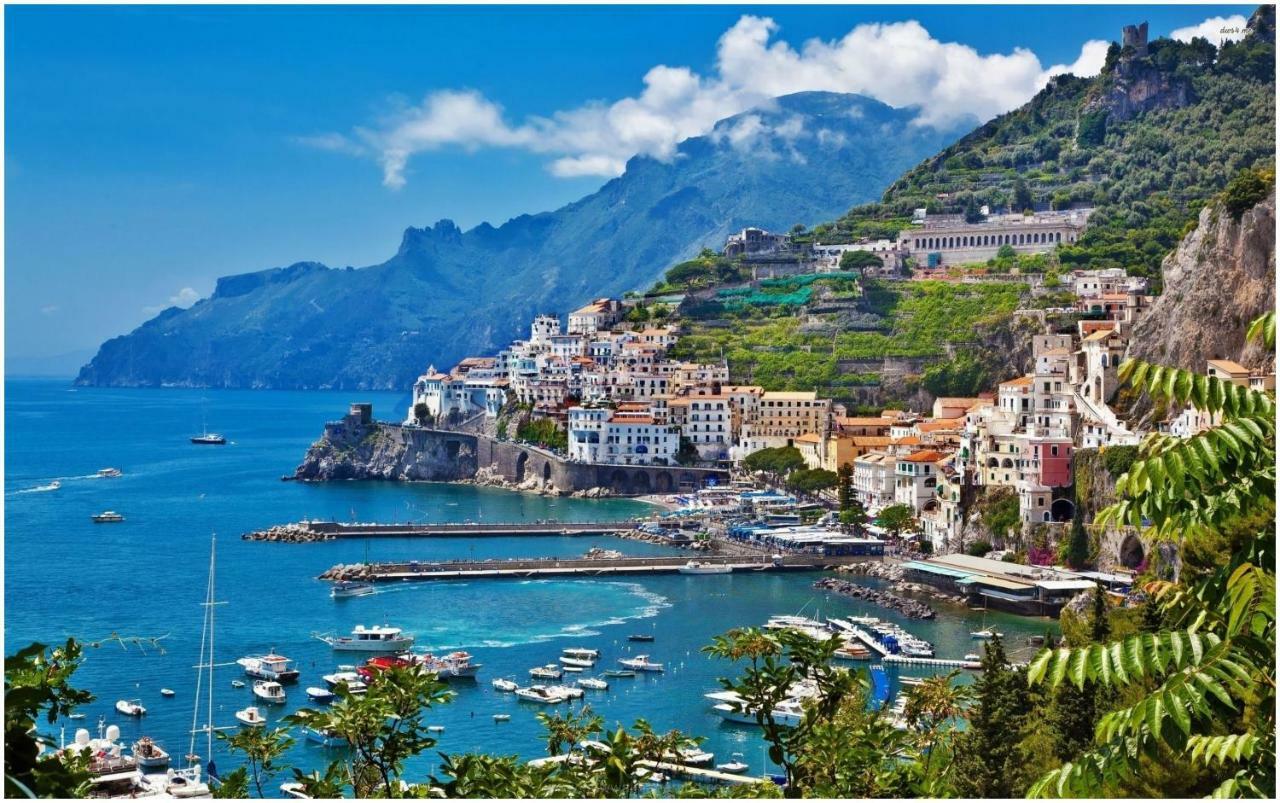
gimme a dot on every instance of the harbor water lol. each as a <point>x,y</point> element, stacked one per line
<point>131,590</point>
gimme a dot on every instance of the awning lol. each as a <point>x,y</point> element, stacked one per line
<point>930,568</point>
<point>998,582</point>
<point>1002,595</point>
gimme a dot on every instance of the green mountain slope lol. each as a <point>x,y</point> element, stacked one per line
<point>447,293</point>
<point>1148,142</point>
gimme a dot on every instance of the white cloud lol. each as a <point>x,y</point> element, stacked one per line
<point>1216,29</point>
<point>183,298</point>
<point>900,64</point>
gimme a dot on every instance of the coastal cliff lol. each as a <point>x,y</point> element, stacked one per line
<point>1218,280</point>
<point>376,451</point>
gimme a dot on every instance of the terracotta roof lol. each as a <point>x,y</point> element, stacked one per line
<point>871,440</point>
<point>910,440</point>
<point>935,426</point>
<point>1229,366</point>
<point>809,437</point>
<point>1101,334</point>
<point>630,420</point>
<point>957,401</point>
<point>1115,296</point>
<point>925,456</point>
<point>1018,382</point>
<point>863,422</point>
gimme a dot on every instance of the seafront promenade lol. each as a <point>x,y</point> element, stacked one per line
<point>521,568</point>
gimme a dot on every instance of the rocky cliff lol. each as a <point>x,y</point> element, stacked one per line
<point>1220,278</point>
<point>387,452</point>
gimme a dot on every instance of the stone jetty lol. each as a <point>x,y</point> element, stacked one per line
<point>289,534</point>
<point>907,607</point>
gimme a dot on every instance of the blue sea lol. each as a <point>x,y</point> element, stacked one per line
<point>143,580</point>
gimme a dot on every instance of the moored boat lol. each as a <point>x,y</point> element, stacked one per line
<point>985,634</point>
<point>355,685</point>
<point>619,673</point>
<point>734,767</point>
<point>640,637</point>
<point>208,439</point>
<point>324,738</point>
<point>167,692</point>
<point>107,517</point>
<point>149,755</point>
<point>593,683</point>
<point>641,663</point>
<point>237,684</point>
<point>269,691</point>
<point>109,472</point>
<point>130,708</point>
<point>695,567</point>
<point>569,692</point>
<point>251,716</point>
<point>548,672</point>
<point>539,694</point>
<point>503,684</point>
<point>270,667</point>
<point>501,717</point>
<point>581,652</point>
<point>320,695</point>
<point>370,639</point>
<point>585,663</point>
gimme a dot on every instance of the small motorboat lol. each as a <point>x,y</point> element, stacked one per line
<point>985,635</point>
<point>619,673</point>
<point>593,683</point>
<point>110,472</point>
<point>107,517</point>
<point>355,684</point>
<point>640,637</point>
<point>581,652</point>
<point>130,708</point>
<point>251,716</point>
<point>435,728</point>
<point>501,717</point>
<point>346,590</point>
<point>694,756</point>
<point>503,684</point>
<point>581,663</point>
<point>269,691</point>
<point>149,755</point>
<point>694,567</point>
<point>320,695</point>
<point>237,684</point>
<point>574,669</point>
<point>911,681</point>
<point>569,692</point>
<point>76,715</point>
<point>734,767</point>
<point>53,486</point>
<point>324,738</point>
<point>540,694</point>
<point>548,672</point>
<point>641,663</point>
<point>973,658</point>
<point>167,692</point>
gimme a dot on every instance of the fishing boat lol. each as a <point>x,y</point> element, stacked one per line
<point>985,634</point>
<point>324,738</point>
<point>149,755</point>
<point>548,672</point>
<point>501,717</point>
<point>345,590</point>
<point>251,716</point>
<point>130,708</point>
<point>270,667</point>
<point>584,663</point>
<point>640,637</point>
<point>539,694</point>
<point>237,684</point>
<point>734,767</point>
<point>320,695</point>
<point>107,517</point>
<point>593,683</point>
<point>503,684</point>
<point>370,639</point>
<point>269,692</point>
<point>641,663</point>
<point>619,673</point>
<point>581,652</point>
<point>695,567</point>
<point>109,472</point>
<point>167,692</point>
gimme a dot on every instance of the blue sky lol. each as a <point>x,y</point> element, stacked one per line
<point>151,150</point>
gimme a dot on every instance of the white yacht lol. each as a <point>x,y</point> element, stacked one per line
<point>269,691</point>
<point>985,635</point>
<point>371,639</point>
<point>568,692</point>
<point>548,672</point>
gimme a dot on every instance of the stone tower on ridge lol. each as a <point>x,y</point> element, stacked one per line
<point>1135,36</point>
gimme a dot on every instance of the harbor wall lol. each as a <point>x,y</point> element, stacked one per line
<point>358,448</point>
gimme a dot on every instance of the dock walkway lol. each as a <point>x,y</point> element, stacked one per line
<point>524,568</point>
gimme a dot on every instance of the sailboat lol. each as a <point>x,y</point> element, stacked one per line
<point>186,782</point>
<point>207,438</point>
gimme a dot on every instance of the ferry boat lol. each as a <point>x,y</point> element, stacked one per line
<point>324,738</point>
<point>269,691</point>
<point>348,589</point>
<point>548,672</point>
<point>540,694</point>
<point>694,567</point>
<point>320,695</point>
<point>130,708</point>
<point>251,716</point>
<point>503,684</point>
<point>149,755</point>
<point>370,639</point>
<point>270,667</point>
<point>593,683</point>
<point>110,472</point>
<point>640,663</point>
<point>581,652</point>
<point>106,517</point>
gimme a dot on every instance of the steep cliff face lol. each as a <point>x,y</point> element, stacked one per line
<point>383,452</point>
<point>1221,277</point>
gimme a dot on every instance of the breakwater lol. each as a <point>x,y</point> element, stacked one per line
<point>907,607</point>
<point>309,531</point>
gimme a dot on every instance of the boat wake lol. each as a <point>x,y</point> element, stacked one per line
<point>53,486</point>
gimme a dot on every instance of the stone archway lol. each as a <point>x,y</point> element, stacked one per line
<point>546,471</point>
<point>520,464</point>
<point>1062,510</point>
<point>1132,551</point>
<point>663,483</point>
<point>618,481</point>
<point>640,482</point>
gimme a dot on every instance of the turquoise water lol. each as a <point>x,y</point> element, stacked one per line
<point>146,577</point>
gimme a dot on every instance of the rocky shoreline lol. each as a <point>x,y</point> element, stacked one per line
<point>910,608</point>
<point>488,477</point>
<point>288,534</point>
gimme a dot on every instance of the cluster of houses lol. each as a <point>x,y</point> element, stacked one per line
<point>622,400</point>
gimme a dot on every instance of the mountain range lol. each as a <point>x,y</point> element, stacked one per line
<point>447,293</point>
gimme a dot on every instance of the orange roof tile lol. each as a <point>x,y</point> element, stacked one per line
<point>925,456</point>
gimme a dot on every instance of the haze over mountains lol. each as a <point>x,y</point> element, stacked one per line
<point>447,293</point>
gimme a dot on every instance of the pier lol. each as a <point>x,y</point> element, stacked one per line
<point>524,568</point>
<point>305,531</point>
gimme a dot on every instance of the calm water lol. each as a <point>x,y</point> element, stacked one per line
<point>146,577</point>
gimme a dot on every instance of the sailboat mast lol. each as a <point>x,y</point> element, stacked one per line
<point>213,551</point>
